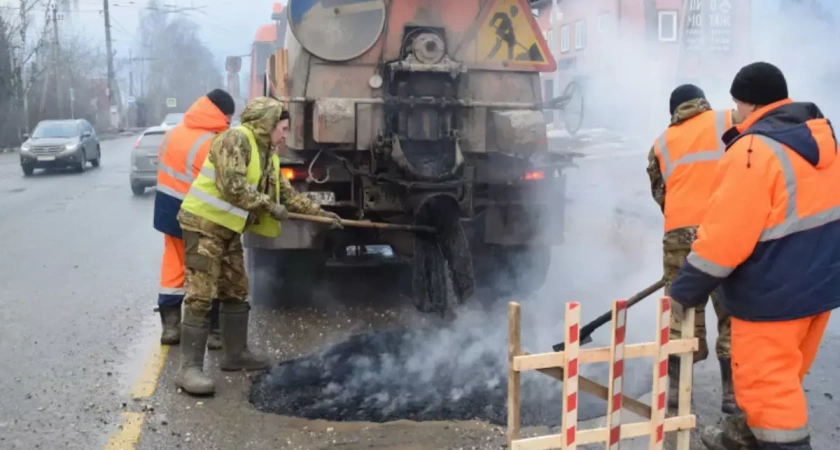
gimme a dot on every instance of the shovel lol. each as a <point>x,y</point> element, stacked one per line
<point>364,223</point>
<point>587,330</point>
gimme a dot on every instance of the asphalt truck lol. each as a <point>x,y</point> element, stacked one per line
<point>396,102</point>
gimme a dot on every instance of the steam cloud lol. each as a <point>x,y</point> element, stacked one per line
<point>612,250</point>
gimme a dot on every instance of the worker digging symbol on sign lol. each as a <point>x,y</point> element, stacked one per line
<point>503,23</point>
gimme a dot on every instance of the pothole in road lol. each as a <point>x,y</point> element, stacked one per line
<point>421,375</point>
<point>16,190</point>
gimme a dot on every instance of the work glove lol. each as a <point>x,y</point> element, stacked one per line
<point>278,211</point>
<point>336,219</point>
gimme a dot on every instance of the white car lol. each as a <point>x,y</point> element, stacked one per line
<point>172,119</point>
<point>144,160</point>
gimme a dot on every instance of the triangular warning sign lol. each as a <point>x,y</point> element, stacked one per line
<point>508,37</point>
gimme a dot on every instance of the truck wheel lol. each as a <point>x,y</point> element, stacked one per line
<point>280,278</point>
<point>517,271</point>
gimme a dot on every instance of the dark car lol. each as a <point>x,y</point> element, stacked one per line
<point>58,144</point>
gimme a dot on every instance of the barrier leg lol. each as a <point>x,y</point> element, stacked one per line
<point>570,375</point>
<point>619,323</point>
<point>514,349</point>
<point>686,379</point>
<point>660,376</point>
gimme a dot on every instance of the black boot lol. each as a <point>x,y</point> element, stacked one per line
<point>214,341</point>
<point>673,382</point>
<point>804,444</point>
<point>234,321</point>
<point>734,434</point>
<point>170,319</point>
<point>191,377</point>
<point>727,405</point>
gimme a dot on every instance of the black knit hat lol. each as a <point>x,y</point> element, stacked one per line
<point>684,93</point>
<point>759,83</point>
<point>223,101</point>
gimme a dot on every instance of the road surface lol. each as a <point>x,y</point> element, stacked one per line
<point>81,368</point>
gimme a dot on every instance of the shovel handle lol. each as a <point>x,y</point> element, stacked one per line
<point>587,330</point>
<point>363,223</point>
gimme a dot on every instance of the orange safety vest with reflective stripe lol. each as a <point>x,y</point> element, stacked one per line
<point>180,156</point>
<point>771,235</point>
<point>688,153</point>
<point>177,169</point>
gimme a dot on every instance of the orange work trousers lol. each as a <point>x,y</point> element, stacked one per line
<point>769,362</point>
<point>172,271</point>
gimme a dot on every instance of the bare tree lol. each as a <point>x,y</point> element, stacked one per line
<point>180,65</point>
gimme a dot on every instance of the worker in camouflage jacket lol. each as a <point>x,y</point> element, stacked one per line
<point>681,167</point>
<point>238,189</point>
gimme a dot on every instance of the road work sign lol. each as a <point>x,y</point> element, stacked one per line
<point>171,102</point>
<point>509,37</point>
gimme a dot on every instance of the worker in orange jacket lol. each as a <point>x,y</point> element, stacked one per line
<point>770,240</point>
<point>681,166</point>
<point>180,157</point>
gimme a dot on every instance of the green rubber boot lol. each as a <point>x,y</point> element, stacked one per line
<point>191,377</point>
<point>234,321</point>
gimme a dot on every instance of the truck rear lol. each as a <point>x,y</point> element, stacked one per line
<point>414,111</point>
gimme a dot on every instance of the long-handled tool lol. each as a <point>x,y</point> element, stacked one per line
<point>587,330</point>
<point>364,223</point>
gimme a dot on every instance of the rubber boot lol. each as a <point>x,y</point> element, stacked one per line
<point>733,434</point>
<point>804,444</point>
<point>673,382</point>
<point>170,319</point>
<point>727,405</point>
<point>214,341</point>
<point>191,377</point>
<point>234,321</point>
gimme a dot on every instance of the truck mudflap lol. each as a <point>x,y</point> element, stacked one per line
<point>442,272</point>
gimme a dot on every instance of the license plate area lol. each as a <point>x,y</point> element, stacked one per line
<point>321,198</point>
<point>46,158</point>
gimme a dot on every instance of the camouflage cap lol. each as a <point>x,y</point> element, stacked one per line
<point>262,115</point>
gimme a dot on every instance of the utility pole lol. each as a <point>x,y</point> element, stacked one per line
<point>130,75</point>
<point>557,37</point>
<point>56,60</point>
<point>24,25</point>
<point>110,53</point>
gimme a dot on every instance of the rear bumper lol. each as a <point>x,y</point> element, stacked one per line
<point>143,178</point>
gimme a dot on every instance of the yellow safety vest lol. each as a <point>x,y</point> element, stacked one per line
<point>267,225</point>
<point>205,201</point>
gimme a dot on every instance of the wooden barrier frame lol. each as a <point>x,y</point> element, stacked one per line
<point>565,366</point>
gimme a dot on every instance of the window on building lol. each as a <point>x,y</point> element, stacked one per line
<point>603,22</point>
<point>565,43</point>
<point>580,35</point>
<point>551,40</point>
<point>668,26</point>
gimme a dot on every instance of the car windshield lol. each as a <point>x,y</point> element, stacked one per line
<point>56,130</point>
<point>151,140</point>
<point>173,118</point>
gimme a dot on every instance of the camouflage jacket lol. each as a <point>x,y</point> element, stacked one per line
<point>680,238</point>
<point>230,153</point>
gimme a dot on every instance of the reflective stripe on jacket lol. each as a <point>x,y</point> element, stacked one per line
<point>204,199</point>
<point>688,153</point>
<point>771,235</point>
<point>180,156</point>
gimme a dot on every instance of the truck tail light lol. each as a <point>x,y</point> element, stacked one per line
<point>534,175</point>
<point>288,173</point>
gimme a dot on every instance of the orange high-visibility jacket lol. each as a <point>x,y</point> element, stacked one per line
<point>688,153</point>
<point>180,157</point>
<point>771,235</point>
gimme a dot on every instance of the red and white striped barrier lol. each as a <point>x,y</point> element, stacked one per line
<point>660,375</point>
<point>570,375</point>
<point>619,317</point>
<point>565,366</point>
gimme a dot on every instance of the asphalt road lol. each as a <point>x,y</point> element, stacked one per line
<point>77,289</point>
<point>78,335</point>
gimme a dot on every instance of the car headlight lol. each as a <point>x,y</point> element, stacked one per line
<point>71,146</point>
<point>25,146</point>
